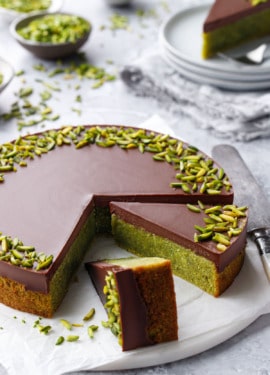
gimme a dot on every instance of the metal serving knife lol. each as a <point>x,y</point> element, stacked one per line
<point>247,192</point>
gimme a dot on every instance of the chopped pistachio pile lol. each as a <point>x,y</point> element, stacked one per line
<point>55,29</point>
<point>23,6</point>
<point>13,250</point>
<point>221,223</point>
<point>112,306</point>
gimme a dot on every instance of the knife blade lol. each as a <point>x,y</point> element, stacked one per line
<point>247,192</point>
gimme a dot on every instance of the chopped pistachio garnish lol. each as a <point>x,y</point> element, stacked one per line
<point>112,306</point>
<point>72,338</point>
<point>60,340</point>
<point>55,29</point>
<point>66,324</point>
<point>89,315</point>
<point>119,21</point>
<point>257,2</point>
<point>13,251</point>
<point>194,171</point>
<point>221,224</point>
<point>91,329</point>
<point>1,78</point>
<point>23,6</point>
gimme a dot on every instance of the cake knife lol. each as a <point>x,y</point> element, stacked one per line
<point>247,192</point>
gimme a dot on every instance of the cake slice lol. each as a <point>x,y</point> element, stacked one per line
<point>139,296</point>
<point>233,22</point>
<point>205,245</point>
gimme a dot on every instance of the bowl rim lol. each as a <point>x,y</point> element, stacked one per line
<point>15,23</point>
<point>7,77</point>
<point>55,6</point>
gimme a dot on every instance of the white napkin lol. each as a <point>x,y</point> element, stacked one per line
<point>241,116</point>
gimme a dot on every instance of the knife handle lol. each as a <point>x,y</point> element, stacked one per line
<point>261,237</point>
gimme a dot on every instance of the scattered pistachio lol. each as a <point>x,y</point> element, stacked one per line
<point>26,91</point>
<point>91,329</point>
<point>60,340</point>
<point>89,315</point>
<point>72,338</point>
<point>1,78</point>
<point>119,21</point>
<point>66,324</point>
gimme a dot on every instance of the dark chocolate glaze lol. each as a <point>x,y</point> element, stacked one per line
<point>224,12</point>
<point>176,222</point>
<point>46,203</point>
<point>133,311</point>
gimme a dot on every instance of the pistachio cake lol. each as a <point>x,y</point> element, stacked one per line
<point>230,23</point>
<point>139,296</point>
<point>55,191</point>
<point>205,244</point>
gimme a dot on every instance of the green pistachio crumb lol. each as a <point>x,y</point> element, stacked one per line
<point>72,338</point>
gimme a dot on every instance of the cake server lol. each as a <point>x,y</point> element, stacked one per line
<point>247,192</point>
<point>256,56</point>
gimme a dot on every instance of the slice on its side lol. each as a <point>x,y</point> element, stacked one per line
<point>139,296</point>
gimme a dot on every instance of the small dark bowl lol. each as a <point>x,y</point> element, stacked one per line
<point>46,50</point>
<point>8,73</point>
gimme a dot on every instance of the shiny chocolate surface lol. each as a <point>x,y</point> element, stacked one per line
<point>46,203</point>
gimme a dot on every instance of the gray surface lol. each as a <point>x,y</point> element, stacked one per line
<point>249,351</point>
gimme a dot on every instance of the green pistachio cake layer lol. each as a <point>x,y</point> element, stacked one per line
<point>169,231</point>
<point>231,23</point>
<point>235,34</point>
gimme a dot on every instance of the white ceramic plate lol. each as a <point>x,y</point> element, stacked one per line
<point>182,36</point>
<point>11,14</point>
<point>214,73</point>
<point>195,76</point>
<point>7,71</point>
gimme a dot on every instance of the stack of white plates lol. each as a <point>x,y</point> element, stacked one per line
<point>181,44</point>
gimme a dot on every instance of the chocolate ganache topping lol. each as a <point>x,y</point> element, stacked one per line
<point>46,203</point>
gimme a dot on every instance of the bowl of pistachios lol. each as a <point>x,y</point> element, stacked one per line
<point>6,74</point>
<point>51,35</point>
<point>12,9</point>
